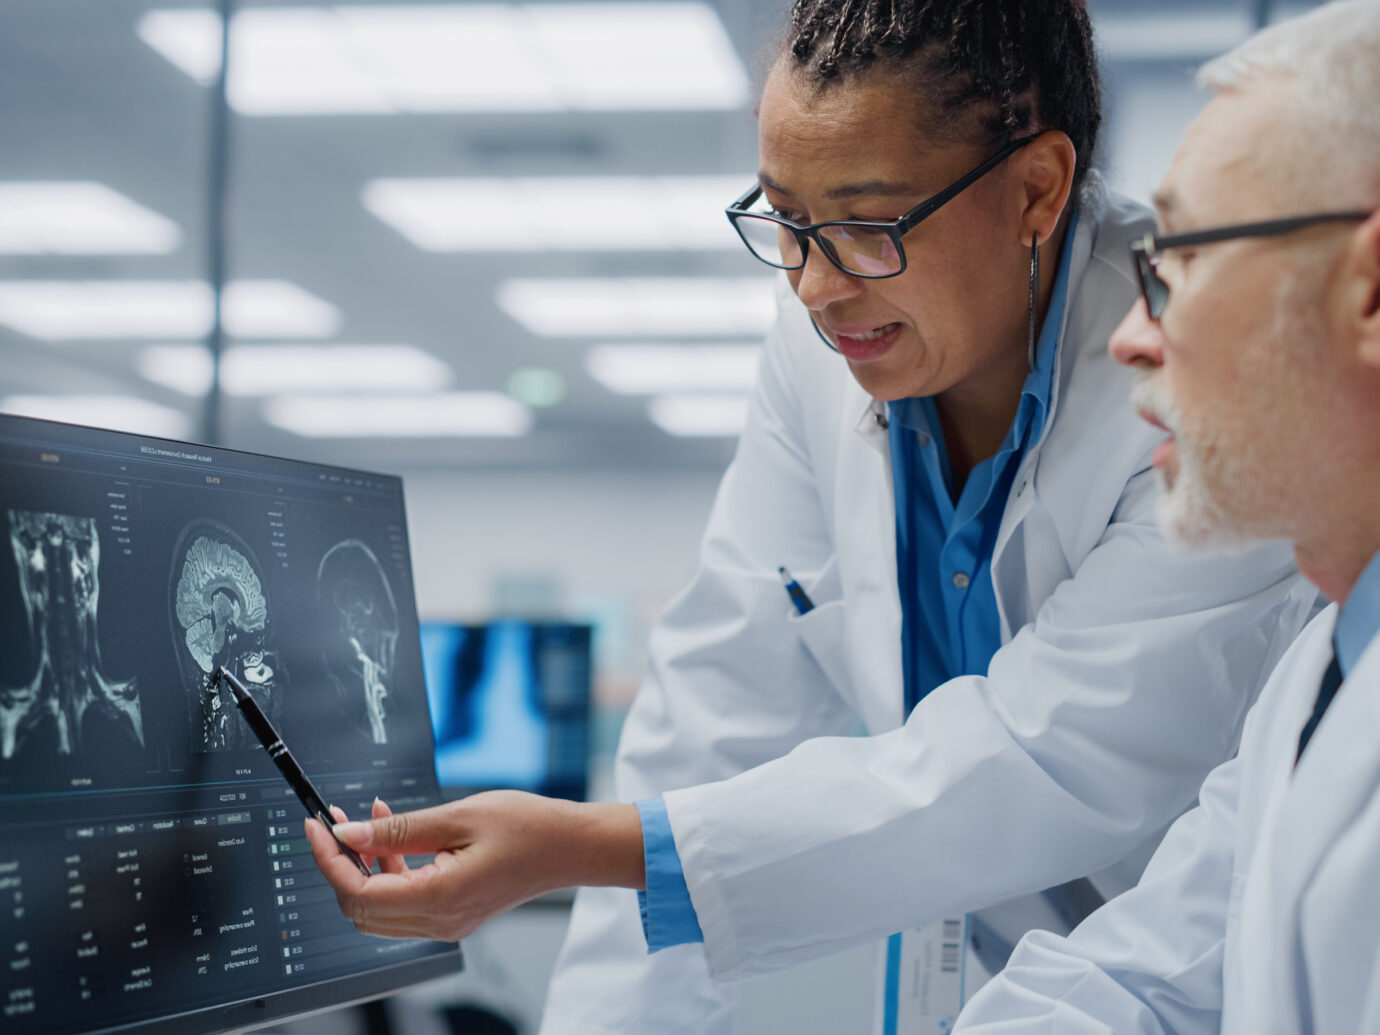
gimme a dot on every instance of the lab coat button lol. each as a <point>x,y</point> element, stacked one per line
<point>881,420</point>
<point>961,580</point>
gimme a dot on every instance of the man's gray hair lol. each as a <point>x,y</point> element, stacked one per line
<point>1332,137</point>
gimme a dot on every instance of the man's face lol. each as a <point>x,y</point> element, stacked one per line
<point>855,151</point>
<point>1239,365</point>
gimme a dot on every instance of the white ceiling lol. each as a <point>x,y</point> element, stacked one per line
<point>83,98</point>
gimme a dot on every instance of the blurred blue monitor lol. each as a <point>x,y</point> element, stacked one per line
<point>510,705</point>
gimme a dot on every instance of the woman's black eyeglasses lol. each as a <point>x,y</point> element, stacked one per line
<point>1147,251</point>
<point>861,248</point>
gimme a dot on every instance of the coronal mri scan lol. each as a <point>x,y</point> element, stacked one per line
<point>361,619</point>
<point>222,617</point>
<point>70,704</point>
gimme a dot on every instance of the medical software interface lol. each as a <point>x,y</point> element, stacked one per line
<point>152,858</point>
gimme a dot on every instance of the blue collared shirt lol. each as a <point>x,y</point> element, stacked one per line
<point>1358,621</point>
<point>949,620</point>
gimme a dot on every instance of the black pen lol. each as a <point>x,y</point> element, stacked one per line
<point>282,758</point>
<point>801,599</point>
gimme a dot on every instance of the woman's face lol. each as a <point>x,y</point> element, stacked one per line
<point>855,151</point>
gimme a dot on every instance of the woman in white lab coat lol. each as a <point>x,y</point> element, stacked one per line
<point>1084,678</point>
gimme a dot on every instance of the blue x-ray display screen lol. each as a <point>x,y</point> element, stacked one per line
<point>510,705</point>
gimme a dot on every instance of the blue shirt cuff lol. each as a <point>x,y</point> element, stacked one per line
<point>668,916</point>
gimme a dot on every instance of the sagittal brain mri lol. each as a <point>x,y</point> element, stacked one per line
<point>222,617</point>
<point>69,704</point>
<point>361,632</point>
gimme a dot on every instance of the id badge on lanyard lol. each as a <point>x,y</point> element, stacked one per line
<point>921,984</point>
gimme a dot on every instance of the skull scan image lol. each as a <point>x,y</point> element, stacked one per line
<point>69,700</point>
<point>221,617</point>
<point>361,632</point>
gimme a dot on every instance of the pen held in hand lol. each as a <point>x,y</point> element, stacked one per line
<point>282,758</point>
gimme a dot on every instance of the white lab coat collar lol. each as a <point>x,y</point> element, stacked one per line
<point>872,422</point>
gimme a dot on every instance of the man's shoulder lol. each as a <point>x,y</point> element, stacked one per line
<point>1115,218</point>
<point>1111,221</point>
<point>1093,389</point>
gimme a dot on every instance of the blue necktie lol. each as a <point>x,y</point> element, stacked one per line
<point>1331,680</point>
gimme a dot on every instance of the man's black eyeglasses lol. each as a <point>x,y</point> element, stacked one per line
<point>1147,251</point>
<point>858,247</point>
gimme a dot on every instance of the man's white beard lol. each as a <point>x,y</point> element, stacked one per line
<point>1189,513</point>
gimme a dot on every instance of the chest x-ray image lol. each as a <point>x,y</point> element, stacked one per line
<point>69,705</point>
<point>222,617</point>
<point>361,619</point>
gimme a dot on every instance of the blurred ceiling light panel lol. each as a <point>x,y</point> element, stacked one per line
<point>442,415</point>
<point>76,310</point>
<point>269,369</point>
<point>363,59</point>
<point>79,217</point>
<point>523,214</point>
<point>699,416</point>
<point>652,369</point>
<point>119,412</point>
<point>640,306</point>
<point>1182,35</point>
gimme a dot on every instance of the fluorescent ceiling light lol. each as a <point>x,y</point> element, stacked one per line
<point>443,415</point>
<point>189,39</point>
<point>276,308</point>
<point>640,306</point>
<point>269,369</point>
<point>79,217</point>
<point>699,416</point>
<point>67,310</point>
<point>648,55</point>
<point>119,412</point>
<point>529,214</point>
<point>183,368</point>
<point>1177,35</point>
<point>460,57</point>
<point>651,369</point>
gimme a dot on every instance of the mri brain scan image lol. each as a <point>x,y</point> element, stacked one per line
<point>221,617</point>
<point>361,619</point>
<point>69,705</point>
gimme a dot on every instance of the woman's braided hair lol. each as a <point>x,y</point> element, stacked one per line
<point>989,57</point>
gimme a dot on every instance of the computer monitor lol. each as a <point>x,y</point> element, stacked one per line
<point>153,869</point>
<point>510,705</point>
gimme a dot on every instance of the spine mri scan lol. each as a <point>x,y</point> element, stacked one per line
<point>69,703</point>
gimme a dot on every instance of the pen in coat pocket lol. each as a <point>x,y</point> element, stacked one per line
<point>801,599</point>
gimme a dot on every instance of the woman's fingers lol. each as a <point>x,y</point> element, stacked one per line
<point>340,871</point>
<point>387,863</point>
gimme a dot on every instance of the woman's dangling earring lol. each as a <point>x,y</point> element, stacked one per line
<point>1034,295</point>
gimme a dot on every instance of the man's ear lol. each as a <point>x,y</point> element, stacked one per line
<point>1046,166</point>
<point>1362,296</point>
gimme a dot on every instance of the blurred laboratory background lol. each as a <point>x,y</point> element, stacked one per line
<point>481,245</point>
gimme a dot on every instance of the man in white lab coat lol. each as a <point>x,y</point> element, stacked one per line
<point>1261,354</point>
<point>939,448</point>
